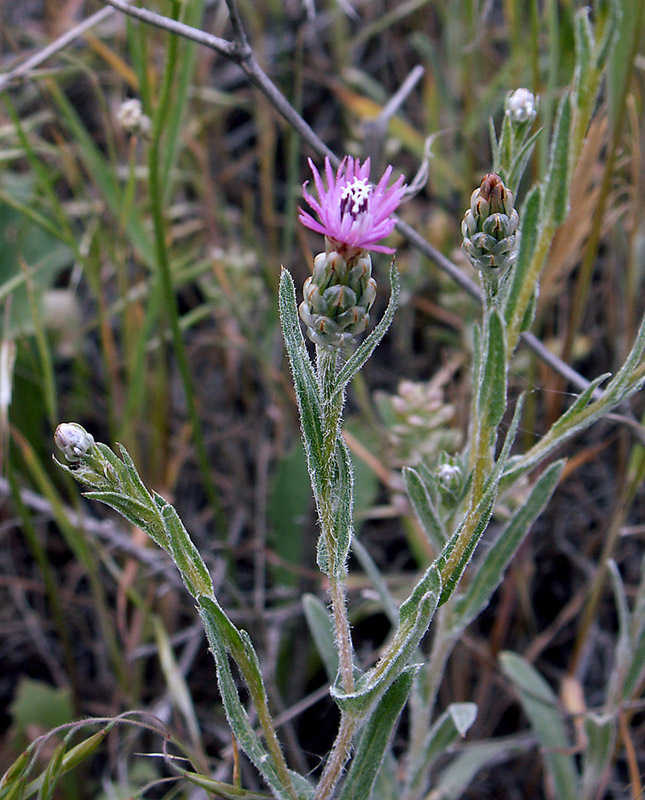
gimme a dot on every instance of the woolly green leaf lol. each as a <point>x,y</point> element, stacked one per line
<point>505,147</point>
<point>490,572</point>
<point>520,161</point>
<point>360,356</point>
<point>415,615</point>
<point>601,738</point>
<point>376,737</point>
<point>304,378</point>
<point>495,370</point>
<point>622,386</point>
<point>367,563</point>
<point>185,555</point>
<point>477,353</point>
<point>455,721</point>
<point>528,239</point>
<point>636,672</point>
<point>610,32</point>
<point>581,402</point>
<point>223,636</point>
<point>540,705</point>
<point>584,44</point>
<point>342,508</point>
<point>424,508</point>
<point>130,470</point>
<point>459,773</point>
<point>322,630</point>
<point>556,190</point>
<point>133,510</point>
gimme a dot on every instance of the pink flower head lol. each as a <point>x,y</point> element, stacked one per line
<point>352,212</point>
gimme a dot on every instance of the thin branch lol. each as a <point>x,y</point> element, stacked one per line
<point>239,34</point>
<point>376,130</point>
<point>58,44</point>
<point>222,46</point>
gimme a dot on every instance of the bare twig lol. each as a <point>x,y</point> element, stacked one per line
<point>376,130</point>
<point>42,55</point>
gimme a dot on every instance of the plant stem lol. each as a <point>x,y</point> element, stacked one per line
<point>337,758</point>
<point>343,634</point>
<point>332,407</point>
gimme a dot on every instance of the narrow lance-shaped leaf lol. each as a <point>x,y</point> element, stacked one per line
<point>304,379</point>
<point>376,737</point>
<point>362,353</point>
<point>495,370</point>
<point>491,570</point>
<point>636,672</point>
<point>455,721</point>
<point>378,582</point>
<point>581,402</point>
<point>601,738</point>
<point>222,636</point>
<point>520,161</point>
<point>494,145</point>
<point>528,239</point>
<point>424,508</point>
<point>322,631</point>
<point>556,190</point>
<point>343,508</point>
<point>584,45</point>
<point>622,386</point>
<point>623,654</point>
<point>541,707</point>
<point>460,772</point>
<point>184,553</point>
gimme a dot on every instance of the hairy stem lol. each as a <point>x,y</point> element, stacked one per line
<point>337,759</point>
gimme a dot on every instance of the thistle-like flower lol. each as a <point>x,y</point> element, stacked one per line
<point>353,216</point>
<point>490,227</point>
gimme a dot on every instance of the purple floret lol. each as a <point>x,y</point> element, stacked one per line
<point>352,212</point>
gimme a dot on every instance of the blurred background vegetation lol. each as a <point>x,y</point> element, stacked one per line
<point>94,621</point>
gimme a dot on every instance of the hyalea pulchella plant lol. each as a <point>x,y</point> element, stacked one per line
<point>454,493</point>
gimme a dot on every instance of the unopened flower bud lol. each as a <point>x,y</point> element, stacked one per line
<point>132,119</point>
<point>338,298</point>
<point>521,106</point>
<point>74,441</point>
<point>449,475</point>
<point>490,227</point>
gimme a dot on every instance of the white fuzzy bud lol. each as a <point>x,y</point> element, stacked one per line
<point>74,441</point>
<point>132,119</point>
<point>521,106</point>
